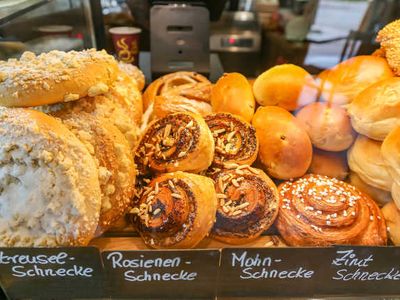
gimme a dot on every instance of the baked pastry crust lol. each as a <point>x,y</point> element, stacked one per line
<point>178,142</point>
<point>248,203</point>
<point>331,164</point>
<point>113,158</point>
<point>392,217</point>
<point>235,140</point>
<point>134,73</point>
<point>177,210</point>
<point>50,191</point>
<point>321,211</point>
<point>389,37</point>
<point>55,77</point>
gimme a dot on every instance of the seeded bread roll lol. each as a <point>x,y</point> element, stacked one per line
<point>49,186</point>
<point>112,155</point>
<point>55,77</point>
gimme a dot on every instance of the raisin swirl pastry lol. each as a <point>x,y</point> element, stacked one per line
<point>177,142</point>
<point>321,211</point>
<point>248,203</point>
<point>177,210</point>
<point>235,139</point>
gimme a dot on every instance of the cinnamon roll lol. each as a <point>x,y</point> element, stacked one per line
<point>235,139</point>
<point>178,142</point>
<point>177,210</point>
<point>248,203</point>
<point>320,211</point>
<point>169,81</point>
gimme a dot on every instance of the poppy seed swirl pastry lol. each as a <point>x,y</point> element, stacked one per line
<point>176,210</point>
<point>49,183</point>
<point>177,142</point>
<point>235,139</point>
<point>248,203</point>
<point>321,211</point>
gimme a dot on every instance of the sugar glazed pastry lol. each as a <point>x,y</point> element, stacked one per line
<point>235,139</point>
<point>55,77</point>
<point>248,203</point>
<point>176,210</point>
<point>178,142</point>
<point>389,38</point>
<point>321,211</point>
<point>113,158</point>
<point>49,183</point>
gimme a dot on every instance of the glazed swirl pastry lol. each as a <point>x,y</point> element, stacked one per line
<point>177,210</point>
<point>248,203</point>
<point>178,142</point>
<point>235,139</point>
<point>320,211</point>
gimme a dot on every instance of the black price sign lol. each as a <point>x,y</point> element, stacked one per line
<point>56,273</point>
<point>363,271</point>
<point>162,274</point>
<point>271,271</point>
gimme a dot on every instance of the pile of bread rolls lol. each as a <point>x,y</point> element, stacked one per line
<point>68,175</point>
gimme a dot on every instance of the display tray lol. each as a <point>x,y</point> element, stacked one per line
<point>118,267</point>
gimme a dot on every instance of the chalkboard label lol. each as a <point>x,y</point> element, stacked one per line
<point>162,274</point>
<point>51,273</point>
<point>363,271</point>
<point>271,271</point>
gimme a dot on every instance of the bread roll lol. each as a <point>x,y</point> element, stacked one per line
<point>55,77</point>
<point>114,159</point>
<point>365,159</point>
<point>376,110</point>
<point>328,126</point>
<point>390,151</point>
<point>389,37</point>
<point>287,86</point>
<point>232,94</point>
<point>49,183</point>
<point>285,148</point>
<point>331,164</point>
<point>392,216</point>
<point>345,81</point>
<point>379,196</point>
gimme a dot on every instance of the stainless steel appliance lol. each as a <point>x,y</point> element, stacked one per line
<point>236,37</point>
<point>179,38</point>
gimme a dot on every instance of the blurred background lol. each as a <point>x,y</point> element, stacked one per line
<point>246,36</point>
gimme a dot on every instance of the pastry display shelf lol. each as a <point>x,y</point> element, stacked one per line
<point>12,11</point>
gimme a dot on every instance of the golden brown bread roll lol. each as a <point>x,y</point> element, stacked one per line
<point>169,81</point>
<point>376,110</point>
<point>390,151</point>
<point>55,77</point>
<point>191,97</point>
<point>49,183</point>
<point>287,86</point>
<point>392,216</point>
<point>342,83</point>
<point>177,210</point>
<point>379,196</point>
<point>331,164</point>
<point>365,159</point>
<point>328,126</point>
<point>114,159</point>
<point>321,211</point>
<point>285,148</point>
<point>177,142</point>
<point>389,38</point>
<point>235,140</point>
<point>248,203</point>
<point>232,94</point>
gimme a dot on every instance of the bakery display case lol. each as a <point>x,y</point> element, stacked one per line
<point>285,185</point>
